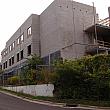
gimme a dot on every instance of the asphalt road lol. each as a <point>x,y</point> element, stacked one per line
<point>8,102</point>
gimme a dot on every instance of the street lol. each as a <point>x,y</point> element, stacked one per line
<point>8,102</point>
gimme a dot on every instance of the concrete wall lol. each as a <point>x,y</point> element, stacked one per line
<point>35,90</point>
<point>49,31</point>
<point>36,35</point>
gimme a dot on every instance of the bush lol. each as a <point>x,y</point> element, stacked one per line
<point>88,78</point>
<point>46,76</point>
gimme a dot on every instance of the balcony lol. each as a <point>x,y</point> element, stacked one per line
<point>101,46</point>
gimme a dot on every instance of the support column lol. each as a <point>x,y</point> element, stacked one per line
<point>109,14</point>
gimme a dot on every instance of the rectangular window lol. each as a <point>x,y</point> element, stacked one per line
<point>29,32</point>
<point>6,64</point>
<point>55,56</point>
<point>18,41</point>
<point>45,60</point>
<point>29,50</point>
<point>22,38</point>
<point>21,54</point>
<point>10,48</point>
<point>6,51</point>
<point>3,65</point>
<point>108,52</point>
<point>17,57</point>
<point>13,45</point>
<point>12,60</point>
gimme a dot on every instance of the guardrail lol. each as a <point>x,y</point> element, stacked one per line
<point>99,44</point>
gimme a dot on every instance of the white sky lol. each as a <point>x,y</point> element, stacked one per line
<point>14,12</point>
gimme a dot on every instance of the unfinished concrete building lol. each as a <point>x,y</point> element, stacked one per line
<point>66,29</point>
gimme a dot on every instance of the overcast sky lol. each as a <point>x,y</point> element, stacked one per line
<point>14,12</point>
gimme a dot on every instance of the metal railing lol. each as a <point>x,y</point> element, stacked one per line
<point>99,44</point>
<point>105,22</point>
<point>103,44</point>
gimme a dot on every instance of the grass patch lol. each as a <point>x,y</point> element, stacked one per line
<point>82,102</point>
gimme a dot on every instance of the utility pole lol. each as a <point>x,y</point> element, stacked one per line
<point>95,27</point>
<point>109,14</point>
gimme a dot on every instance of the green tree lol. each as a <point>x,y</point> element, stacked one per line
<point>30,74</point>
<point>34,61</point>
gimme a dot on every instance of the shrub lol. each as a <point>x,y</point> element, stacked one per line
<point>88,77</point>
<point>14,80</point>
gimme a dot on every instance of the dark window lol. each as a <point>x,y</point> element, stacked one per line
<point>17,57</point>
<point>12,60</point>
<point>21,54</point>
<point>29,50</point>
<point>108,52</point>
<point>0,66</point>
<point>6,64</point>
<point>10,48</point>
<point>55,56</point>
<point>45,60</point>
<point>3,65</point>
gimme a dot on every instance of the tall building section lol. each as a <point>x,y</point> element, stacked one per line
<point>24,42</point>
<point>62,27</point>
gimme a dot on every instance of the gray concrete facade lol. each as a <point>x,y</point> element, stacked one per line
<point>62,27</point>
<point>58,32</point>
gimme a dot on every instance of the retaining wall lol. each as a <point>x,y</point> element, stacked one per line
<point>35,90</point>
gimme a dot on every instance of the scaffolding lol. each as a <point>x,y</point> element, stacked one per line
<point>102,43</point>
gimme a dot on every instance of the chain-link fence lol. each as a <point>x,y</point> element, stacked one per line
<point>26,75</point>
